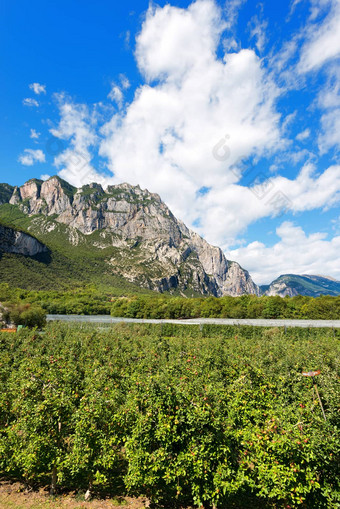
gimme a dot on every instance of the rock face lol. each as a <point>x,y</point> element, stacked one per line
<point>309,285</point>
<point>163,254</point>
<point>12,241</point>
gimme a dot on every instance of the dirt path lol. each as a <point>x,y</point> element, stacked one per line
<point>14,496</point>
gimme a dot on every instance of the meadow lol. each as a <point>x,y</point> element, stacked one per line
<point>218,417</point>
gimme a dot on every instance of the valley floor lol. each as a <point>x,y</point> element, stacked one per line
<point>255,322</point>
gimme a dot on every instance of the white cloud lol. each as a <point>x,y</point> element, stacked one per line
<point>230,44</point>
<point>294,253</point>
<point>166,138</point>
<point>257,28</point>
<point>225,212</point>
<point>233,8</point>
<point>329,96</point>
<point>38,88</point>
<point>329,102</point>
<point>77,126</point>
<point>30,156</point>
<point>175,41</point>
<point>45,176</point>
<point>330,136</point>
<point>34,134</point>
<point>193,124</point>
<point>323,40</point>
<point>28,101</point>
<point>293,6</point>
<point>303,135</point>
<point>116,95</point>
<point>125,83</point>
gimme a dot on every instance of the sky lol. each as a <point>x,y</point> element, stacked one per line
<point>230,111</point>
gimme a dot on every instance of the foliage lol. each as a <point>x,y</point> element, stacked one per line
<point>25,314</point>
<point>64,266</point>
<point>246,306</point>
<point>215,417</point>
<point>6,192</point>
<point>103,300</point>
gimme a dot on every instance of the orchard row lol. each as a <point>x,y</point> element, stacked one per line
<point>214,418</point>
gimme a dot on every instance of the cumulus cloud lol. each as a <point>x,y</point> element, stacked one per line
<point>232,208</point>
<point>77,127</point>
<point>295,253</point>
<point>168,138</point>
<point>38,88</point>
<point>28,101</point>
<point>30,156</point>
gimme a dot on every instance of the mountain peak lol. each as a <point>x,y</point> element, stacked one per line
<point>305,284</point>
<point>155,250</point>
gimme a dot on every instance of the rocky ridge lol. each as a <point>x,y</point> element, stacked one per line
<point>158,251</point>
<point>309,285</point>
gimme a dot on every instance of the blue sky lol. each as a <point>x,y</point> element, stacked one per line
<point>239,99</point>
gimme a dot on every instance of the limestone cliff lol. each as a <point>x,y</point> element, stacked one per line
<point>13,241</point>
<point>157,250</point>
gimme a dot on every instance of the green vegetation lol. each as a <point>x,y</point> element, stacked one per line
<point>6,192</point>
<point>246,306</point>
<point>66,265</point>
<point>24,314</point>
<point>88,301</point>
<point>104,300</point>
<point>220,417</point>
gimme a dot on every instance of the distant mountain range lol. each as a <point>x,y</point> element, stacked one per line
<point>292,284</point>
<point>53,235</point>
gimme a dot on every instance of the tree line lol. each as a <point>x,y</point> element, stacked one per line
<point>92,300</point>
<point>246,306</point>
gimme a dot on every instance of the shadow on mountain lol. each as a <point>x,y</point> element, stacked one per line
<point>44,258</point>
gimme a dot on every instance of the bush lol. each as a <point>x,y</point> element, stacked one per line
<point>25,314</point>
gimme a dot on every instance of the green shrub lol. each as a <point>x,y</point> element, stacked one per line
<point>25,314</point>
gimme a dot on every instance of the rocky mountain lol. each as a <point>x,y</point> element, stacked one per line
<point>121,233</point>
<point>292,284</point>
<point>13,241</point>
